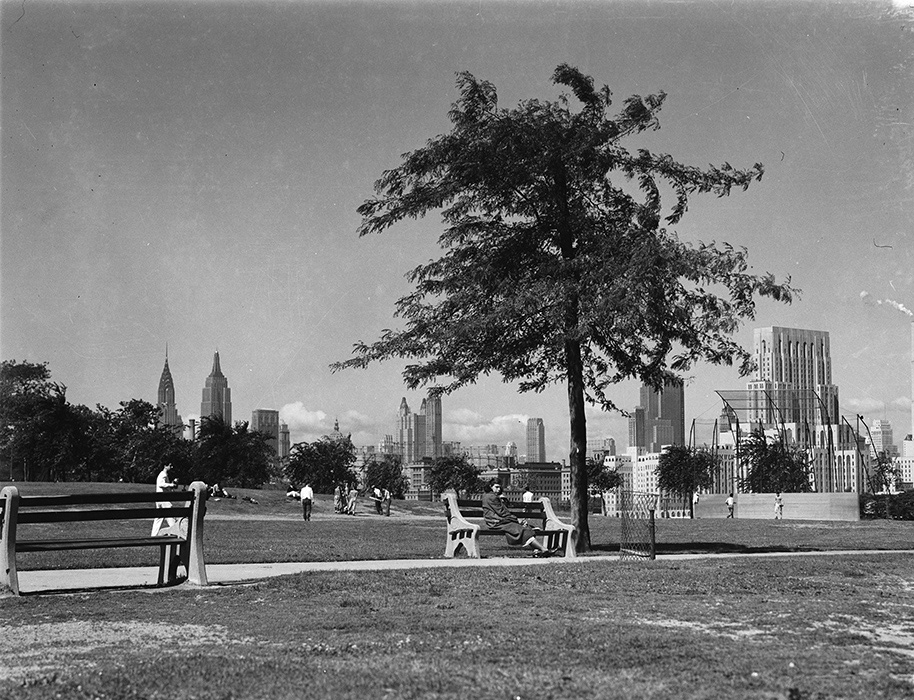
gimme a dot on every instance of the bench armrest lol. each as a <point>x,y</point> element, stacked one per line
<point>553,523</point>
<point>456,521</point>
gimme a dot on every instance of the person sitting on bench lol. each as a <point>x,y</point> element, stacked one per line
<point>498,517</point>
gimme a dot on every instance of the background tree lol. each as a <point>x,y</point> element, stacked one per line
<point>42,436</point>
<point>600,477</point>
<point>323,464</point>
<point>454,472</point>
<point>386,472</point>
<point>684,470</point>
<point>555,270</point>
<point>774,466</point>
<point>231,455</point>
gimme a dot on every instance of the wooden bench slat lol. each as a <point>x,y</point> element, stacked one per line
<point>96,543</point>
<point>84,499</point>
<point>70,516</point>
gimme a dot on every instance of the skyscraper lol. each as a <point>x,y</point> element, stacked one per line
<point>419,434</point>
<point>536,440</point>
<point>166,399</point>
<point>883,438</point>
<point>659,420</point>
<point>217,397</point>
<point>792,383</point>
<point>433,427</point>
<point>266,421</point>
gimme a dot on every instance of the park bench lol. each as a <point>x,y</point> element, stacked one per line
<point>539,514</point>
<point>179,543</point>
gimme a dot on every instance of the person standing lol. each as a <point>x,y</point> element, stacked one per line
<point>385,501</point>
<point>338,499</point>
<point>730,506</point>
<point>307,499</point>
<point>164,482</point>
<point>378,498</point>
<point>778,506</point>
<point>351,499</point>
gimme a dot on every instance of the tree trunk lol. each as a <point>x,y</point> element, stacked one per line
<point>578,456</point>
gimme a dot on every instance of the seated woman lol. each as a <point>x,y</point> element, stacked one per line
<point>498,517</point>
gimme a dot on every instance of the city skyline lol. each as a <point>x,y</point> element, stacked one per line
<point>189,173</point>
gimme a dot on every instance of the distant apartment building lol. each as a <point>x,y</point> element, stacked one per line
<point>536,440</point>
<point>604,445</point>
<point>217,397</point>
<point>285,442</point>
<point>883,439</point>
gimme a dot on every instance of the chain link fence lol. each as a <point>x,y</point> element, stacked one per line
<point>638,535</point>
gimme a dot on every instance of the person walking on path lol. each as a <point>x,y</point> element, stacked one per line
<point>730,506</point>
<point>778,506</point>
<point>307,499</point>
<point>164,482</point>
<point>498,517</point>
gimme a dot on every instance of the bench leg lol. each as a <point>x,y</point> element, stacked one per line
<point>457,539</point>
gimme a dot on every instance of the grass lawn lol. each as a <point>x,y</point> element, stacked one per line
<point>797,628</point>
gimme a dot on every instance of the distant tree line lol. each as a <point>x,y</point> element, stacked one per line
<point>43,437</point>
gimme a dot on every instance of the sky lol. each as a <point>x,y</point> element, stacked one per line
<point>186,175</point>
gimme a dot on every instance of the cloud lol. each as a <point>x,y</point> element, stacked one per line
<point>470,428</point>
<point>863,406</point>
<point>870,300</point>
<point>304,421</point>
<point>902,402</point>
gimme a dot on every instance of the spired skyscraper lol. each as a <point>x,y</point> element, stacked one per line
<point>217,397</point>
<point>168,411</point>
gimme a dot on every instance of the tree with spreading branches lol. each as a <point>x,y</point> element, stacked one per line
<point>559,265</point>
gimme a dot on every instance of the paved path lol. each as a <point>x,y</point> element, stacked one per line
<point>229,574</point>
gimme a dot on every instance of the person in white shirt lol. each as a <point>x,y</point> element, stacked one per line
<point>307,498</point>
<point>164,482</point>
<point>528,495</point>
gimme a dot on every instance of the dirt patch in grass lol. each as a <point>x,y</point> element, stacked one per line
<point>35,649</point>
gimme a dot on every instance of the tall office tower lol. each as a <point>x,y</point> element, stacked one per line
<point>405,433</point>
<point>166,399</point>
<point>266,421</point>
<point>285,442</point>
<point>217,397</point>
<point>659,420</point>
<point>793,378</point>
<point>883,439</point>
<point>536,440</point>
<point>433,427</point>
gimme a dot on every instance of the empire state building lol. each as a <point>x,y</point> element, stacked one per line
<point>217,397</point>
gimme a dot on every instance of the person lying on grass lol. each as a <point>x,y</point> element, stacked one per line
<point>498,517</point>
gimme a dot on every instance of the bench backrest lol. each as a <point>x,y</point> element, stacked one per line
<point>81,507</point>
<point>533,512</point>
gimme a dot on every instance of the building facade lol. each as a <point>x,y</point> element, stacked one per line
<point>536,440</point>
<point>217,397</point>
<point>417,436</point>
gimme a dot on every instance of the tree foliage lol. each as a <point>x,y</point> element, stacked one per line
<point>559,265</point>
<point>454,472</point>
<point>386,472</point>
<point>231,455</point>
<point>323,463</point>
<point>774,466</point>
<point>600,477</point>
<point>683,470</point>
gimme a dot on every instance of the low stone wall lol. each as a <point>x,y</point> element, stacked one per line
<point>797,506</point>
